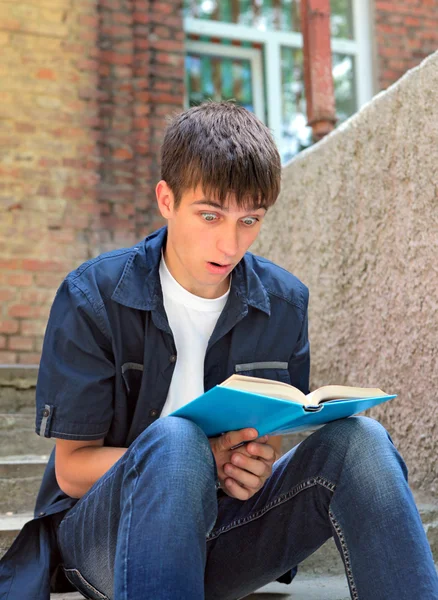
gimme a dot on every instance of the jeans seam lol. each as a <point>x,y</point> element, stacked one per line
<point>129,503</point>
<point>346,555</point>
<point>306,484</point>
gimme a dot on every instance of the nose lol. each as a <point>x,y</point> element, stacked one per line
<point>227,242</point>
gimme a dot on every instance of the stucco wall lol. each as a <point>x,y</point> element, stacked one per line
<point>357,221</point>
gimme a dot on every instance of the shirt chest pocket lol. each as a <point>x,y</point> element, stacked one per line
<point>275,370</point>
<point>132,374</point>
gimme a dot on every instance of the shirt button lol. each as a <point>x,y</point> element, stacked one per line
<point>172,358</point>
<point>153,412</point>
<point>41,514</point>
<point>46,412</point>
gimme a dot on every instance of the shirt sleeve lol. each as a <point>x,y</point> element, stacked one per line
<point>299,364</point>
<point>75,387</point>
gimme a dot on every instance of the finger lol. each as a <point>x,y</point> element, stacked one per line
<point>237,491</point>
<point>232,438</point>
<point>242,476</point>
<point>260,449</point>
<point>252,465</point>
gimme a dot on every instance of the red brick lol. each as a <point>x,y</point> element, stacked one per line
<point>174,22</point>
<point>87,65</point>
<point>87,35</point>
<point>16,342</point>
<point>10,171</point>
<point>20,279</point>
<point>29,358</point>
<point>141,17</point>
<point>412,21</point>
<point>32,328</point>
<point>46,162</point>
<point>88,20</point>
<point>46,74</point>
<point>9,326</point>
<point>49,280</point>
<point>42,265</point>
<point>160,98</point>
<point>141,44</point>
<point>141,123</point>
<point>8,358</point>
<point>122,18</point>
<point>166,71</point>
<point>123,154</point>
<point>166,8</point>
<point>72,193</point>
<point>10,263</point>
<point>162,31</point>
<point>2,342</point>
<point>25,128</point>
<point>6,295</point>
<point>167,45</point>
<point>114,58</point>
<point>35,296</point>
<point>24,310</point>
<point>117,31</point>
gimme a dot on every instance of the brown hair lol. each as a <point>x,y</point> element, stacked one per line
<point>226,149</point>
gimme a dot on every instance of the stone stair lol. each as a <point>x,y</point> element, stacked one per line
<point>23,456</point>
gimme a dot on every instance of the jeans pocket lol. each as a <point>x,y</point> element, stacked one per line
<point>82,585</point>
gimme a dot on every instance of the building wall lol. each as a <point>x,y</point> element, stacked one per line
<point>357,222</point>
<point>406,31</point>
<point>85,88</point>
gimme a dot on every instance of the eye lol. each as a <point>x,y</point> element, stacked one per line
<point>209,217</point>
<point>250,221</point>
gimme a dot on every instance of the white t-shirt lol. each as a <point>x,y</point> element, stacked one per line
<point>192,320</point>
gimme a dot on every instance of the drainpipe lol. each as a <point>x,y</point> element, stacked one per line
<point>318,79</point>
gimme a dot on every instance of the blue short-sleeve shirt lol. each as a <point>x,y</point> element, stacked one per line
<point>107,363</point>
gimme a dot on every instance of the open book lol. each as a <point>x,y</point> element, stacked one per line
<point>284,391</point>
<point>274,407</point>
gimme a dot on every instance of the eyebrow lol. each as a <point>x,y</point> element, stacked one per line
<point>217,205</point>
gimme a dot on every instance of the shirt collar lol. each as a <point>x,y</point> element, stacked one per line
<point>139,286</point>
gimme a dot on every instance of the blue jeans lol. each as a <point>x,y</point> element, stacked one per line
<point>154,526</point>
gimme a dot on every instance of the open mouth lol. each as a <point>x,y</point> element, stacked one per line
<point>215,264</point>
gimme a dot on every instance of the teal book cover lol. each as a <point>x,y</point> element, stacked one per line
<point>223,409</point>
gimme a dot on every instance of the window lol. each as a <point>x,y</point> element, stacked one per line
<point>251,51</point>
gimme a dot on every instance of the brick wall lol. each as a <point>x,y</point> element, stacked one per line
<point>406,32</point>
<point>85,87</point>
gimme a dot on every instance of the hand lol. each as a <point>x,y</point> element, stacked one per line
<point>242,472</point>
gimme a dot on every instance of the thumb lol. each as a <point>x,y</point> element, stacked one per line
<point>231,438</point>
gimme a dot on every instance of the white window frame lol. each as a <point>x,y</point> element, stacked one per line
<point>359,48</point>
<point>254,55</point>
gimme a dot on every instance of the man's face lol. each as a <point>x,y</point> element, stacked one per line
<point>206,241</point>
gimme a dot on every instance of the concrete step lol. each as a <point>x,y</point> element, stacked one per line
<point>20,480</point>
<point>302,588</point>
<point>17,387</point>
<point>17,435</point>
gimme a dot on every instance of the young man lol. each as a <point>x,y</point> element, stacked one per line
<point>137,504</point>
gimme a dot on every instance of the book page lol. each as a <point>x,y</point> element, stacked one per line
<point>265,387</point>
<point>284,391</point>
<point>339,392</point>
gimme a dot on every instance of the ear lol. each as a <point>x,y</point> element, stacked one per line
<point>165,199</point>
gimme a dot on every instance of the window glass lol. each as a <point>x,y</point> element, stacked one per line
<point>264,15</point>
<point>296,135</point>
<point>342,19</point>
<point>218,78</point>
<point>261,14</point>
